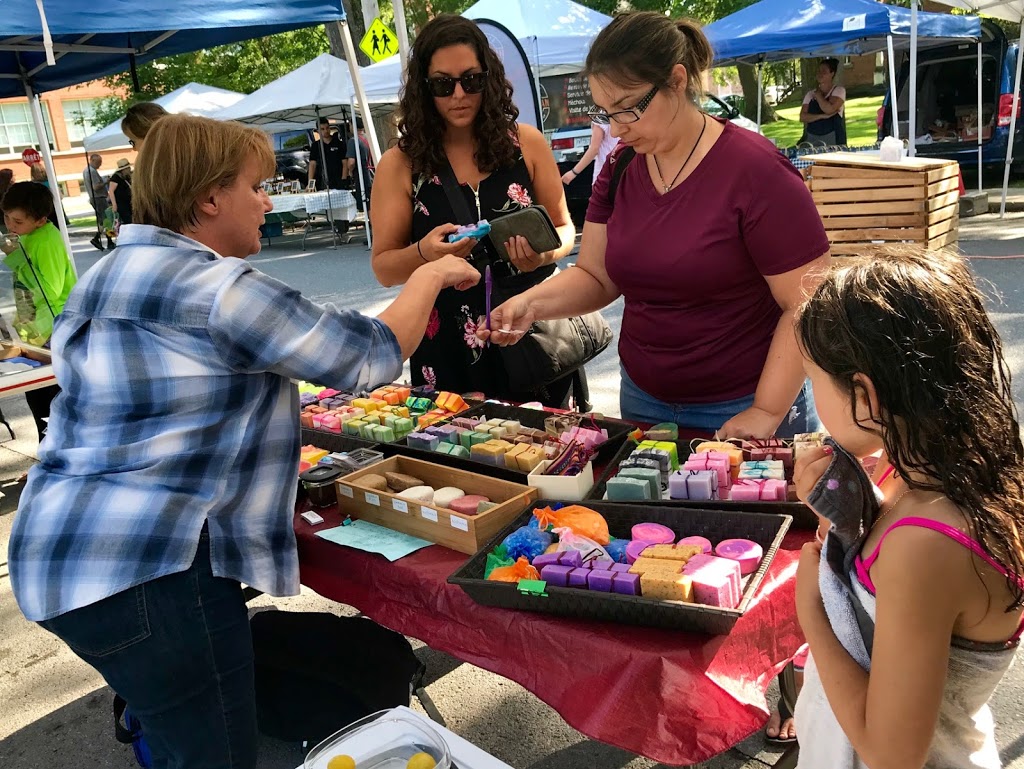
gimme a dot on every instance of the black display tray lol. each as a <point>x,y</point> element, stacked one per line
<point>803,516</point>
<point>324,439</point>
<point>767,529</point>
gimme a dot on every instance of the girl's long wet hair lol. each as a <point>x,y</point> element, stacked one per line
<point>914,323</point>
<point>421,127</point>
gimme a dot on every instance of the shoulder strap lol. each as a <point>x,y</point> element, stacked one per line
<point>623,160</point>
<point>463,214</point>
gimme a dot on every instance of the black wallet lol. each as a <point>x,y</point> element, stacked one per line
<point>532,223</point>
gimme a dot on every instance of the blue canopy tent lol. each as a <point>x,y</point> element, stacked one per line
<point>48,44</point>
<point>778,30</point>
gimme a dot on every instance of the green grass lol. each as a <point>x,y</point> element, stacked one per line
<point>860,123</point>
<point>83,221</point>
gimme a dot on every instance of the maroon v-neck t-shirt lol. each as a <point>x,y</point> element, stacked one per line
<point>691,265</point>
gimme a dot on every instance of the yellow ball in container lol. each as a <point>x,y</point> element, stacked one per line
<point>421,761</point>
<point>342,762</point>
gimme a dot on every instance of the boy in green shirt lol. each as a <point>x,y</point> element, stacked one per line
<point>43,275</point>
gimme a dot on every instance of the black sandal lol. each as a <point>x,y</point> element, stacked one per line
<point>785,714</point>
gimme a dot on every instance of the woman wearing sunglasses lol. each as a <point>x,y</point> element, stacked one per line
<point>457,112</point>
<point>710,238</point>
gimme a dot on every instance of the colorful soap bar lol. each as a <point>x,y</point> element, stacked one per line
<point>672,552</point>
<point>763,470</point>
<point>626,584</point>
<point>702,484</point>
<point>644,564</point>
<point>652,533</point>
<point>556,575</point>
<point>745,552</point>
<point>665,431</point>
<point>422,494</point>
<point>530,458</point>
<point>600,580</point>
<point>657,455</point>
<point>312,454</point>
<point>382,433</point>
<point>467,505</point>
<point>422,441</point>
<point>578,578</point>
<point>677,488</point>
<point>445,495</point>
<point>660,586</point>
<point>624,489</point>
<point>634,549</point>
<point>403,426</point>
<point>651,476</point>
<point>716,581</point>
<point>734,452</point>
<point>696,541</point>
<point>750,490</point>
<point>711,460</point>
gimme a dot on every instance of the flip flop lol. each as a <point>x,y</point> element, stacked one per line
<point>784,715</point>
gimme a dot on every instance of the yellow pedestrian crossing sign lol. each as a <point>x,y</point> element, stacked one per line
<point>379,42</point>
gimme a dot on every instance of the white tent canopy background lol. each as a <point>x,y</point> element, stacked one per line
<point>193,99</point>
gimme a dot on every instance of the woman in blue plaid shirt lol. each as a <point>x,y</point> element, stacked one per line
<point>167,476</point>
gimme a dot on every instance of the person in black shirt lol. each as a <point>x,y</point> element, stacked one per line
<point>327,169</point>
<point>363,180</point>
<point>120,189</point>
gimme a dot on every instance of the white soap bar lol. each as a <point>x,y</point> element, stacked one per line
<point>444,496</point>
<point>422,494</point>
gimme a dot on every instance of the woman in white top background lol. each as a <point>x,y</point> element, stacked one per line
<point>601,145</point>
<point>822,112</point>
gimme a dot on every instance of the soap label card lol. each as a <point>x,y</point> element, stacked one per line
<point>345,491</point>
<point>430,515</point>
<point>372,499</point>
<point>459,523</point>
<point>400,505</point>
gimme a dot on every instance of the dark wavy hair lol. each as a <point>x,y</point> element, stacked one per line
<point>914,322</point>
<point>421,127</point>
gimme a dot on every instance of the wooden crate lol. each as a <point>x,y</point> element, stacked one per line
<point>864,202</point>
<point>464,533</point>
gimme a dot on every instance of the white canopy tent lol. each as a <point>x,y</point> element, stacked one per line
<point>193,99</point>
<point>1008,10</point>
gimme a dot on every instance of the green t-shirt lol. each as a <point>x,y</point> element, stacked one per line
<point>41,288</point>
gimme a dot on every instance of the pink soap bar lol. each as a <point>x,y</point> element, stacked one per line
<point>716,581</point>
<point>712,460</point>
<point>753,490</point>
<point>702,542</point>
<point>467,505</point>
<point>634,548</point>
<point>653,534</point>
<point>746,553</point>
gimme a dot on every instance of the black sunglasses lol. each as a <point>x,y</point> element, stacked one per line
<point>445,86</point>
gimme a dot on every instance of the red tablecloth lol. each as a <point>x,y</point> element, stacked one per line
<point>678,698</point>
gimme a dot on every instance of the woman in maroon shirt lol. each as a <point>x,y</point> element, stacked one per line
<point>712,241</point>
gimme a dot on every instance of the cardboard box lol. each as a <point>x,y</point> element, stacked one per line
<point>572,488</point>
<point>464,533</point>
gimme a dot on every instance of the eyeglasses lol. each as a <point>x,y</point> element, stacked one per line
<point>131,143</point>
<point>445,86</point>
<point>626,115</point>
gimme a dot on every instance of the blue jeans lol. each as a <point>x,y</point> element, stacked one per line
<point>637,406</point>
<point>179,651</point>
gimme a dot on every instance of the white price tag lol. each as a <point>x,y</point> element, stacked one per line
<point>400,505</point>
<point>460,523</point>
<point>372,499</point>
<point>345,491</point>
<point>430,515</point>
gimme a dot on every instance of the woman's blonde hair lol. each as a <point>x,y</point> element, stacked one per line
<point>184,158</point>
<point>139,118</point>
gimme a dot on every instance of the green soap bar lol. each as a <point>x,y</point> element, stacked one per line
<point>665,431</point>
<point>648,474</point>
<point>410,402</point>
<point>352,426</point>
<point>622,489</point>
<point>459,451</point>
<point>383,433</point>
<point>443,448</point>
<point>390,420</point>
<point>366,431</point>
<point>423,404</point>
<point>403,425</point>
<point>466,440</point>
<point>673,452</point>
<point>475,438</point>
<point>454,436</point>
<point>371,419</point>
<point>483,507</point>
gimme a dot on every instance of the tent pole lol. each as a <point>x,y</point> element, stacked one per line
<point>893,105</point>
<point>912,117</point>
<point>980,185</point>
<point>402,30</point>
<point>357,83</point>
<point>1013,123</point>
<point>760,93</point>
<point>327,182</point>
<point>359,171</point>
<point>51,172</point>
<point>536,79</point>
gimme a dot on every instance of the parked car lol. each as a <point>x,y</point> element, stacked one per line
<point>291,150</point>
<point>570,142</point>
<point>947,100</point>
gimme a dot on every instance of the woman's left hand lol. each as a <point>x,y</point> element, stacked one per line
<point>750,424</point>
<point>809,607</point>
<point>523,257</point>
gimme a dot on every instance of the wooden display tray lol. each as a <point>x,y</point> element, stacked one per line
<point>865,202</point>
<point>464,533</point>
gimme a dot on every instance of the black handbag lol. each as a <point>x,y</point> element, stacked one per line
<point>551,349</point>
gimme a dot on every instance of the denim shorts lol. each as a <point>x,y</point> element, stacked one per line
<point>638,406</point>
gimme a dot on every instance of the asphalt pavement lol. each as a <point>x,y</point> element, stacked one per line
<point>55,711</point>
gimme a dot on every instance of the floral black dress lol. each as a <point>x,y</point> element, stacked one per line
<point>450,357</point>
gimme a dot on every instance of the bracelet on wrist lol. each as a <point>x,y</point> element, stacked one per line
<point>419,250</point>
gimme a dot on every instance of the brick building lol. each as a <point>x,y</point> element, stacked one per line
<point>68,115</point>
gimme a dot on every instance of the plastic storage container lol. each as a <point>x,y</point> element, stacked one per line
<point>383,740</point>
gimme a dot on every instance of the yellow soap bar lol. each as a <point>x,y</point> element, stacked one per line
<point>666,587</point>
<point>312,454</point>
<point>735,452</point>
<point>362,403</point>
<point>512,455</point>
<point>682,553</point>
<point>530,457</point>
<point>643,565</point>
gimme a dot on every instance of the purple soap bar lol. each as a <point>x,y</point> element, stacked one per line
<point>626,584</point>
<point>573,558</point>
<point>746,553</point>
<point>702,484</point>
<point>653,533</point>
<point>634,548</point>
<point>556,575</point>
<point>578,578</point>
<point>677,485</point>
<point>619,567</point>
<point>702,542</point>
<point>546,559</point>
<point>600,580</point>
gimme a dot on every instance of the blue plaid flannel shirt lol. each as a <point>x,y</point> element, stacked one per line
<point>177,410</point>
